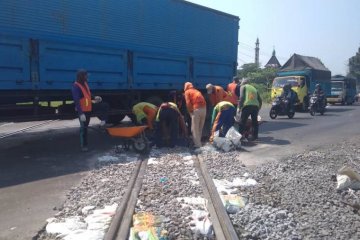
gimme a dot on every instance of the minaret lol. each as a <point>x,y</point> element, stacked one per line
<point>257,52</point>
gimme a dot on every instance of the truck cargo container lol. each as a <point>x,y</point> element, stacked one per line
<point>303,73</point>
<point>134,50</point>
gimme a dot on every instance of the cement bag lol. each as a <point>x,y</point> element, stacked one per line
<point>234,136</point>
<point>222,143</point>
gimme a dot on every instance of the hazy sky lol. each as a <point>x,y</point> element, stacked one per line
<point>326,29</point>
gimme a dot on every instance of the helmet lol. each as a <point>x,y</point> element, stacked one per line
<point>317,86</point>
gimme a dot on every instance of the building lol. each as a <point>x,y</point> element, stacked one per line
<point>273,62</point>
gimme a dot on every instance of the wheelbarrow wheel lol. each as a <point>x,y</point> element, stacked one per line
<point>140,145</point>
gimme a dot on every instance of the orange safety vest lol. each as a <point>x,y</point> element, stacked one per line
<point>231,89</point>
<point>85,102</point>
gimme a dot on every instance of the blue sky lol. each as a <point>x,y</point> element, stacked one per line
<point>326,29</point>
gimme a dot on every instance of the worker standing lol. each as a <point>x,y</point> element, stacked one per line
<point>222,118</point>
<point>84,106</point>
<point>196,106</point>
<point>145,113</point>
<point>217,94</point>
<point>250,103</point>
<point>231,88</point>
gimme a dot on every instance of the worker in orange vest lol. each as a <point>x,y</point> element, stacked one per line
<point>85,104</point>
<point>217,94</point>
<point>196,106</point>
<point>232,88</point>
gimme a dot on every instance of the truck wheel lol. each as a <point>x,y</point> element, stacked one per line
<point>115,119</point>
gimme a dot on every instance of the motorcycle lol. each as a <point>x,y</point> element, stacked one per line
<point>316,105</point>
<point>279,107</point>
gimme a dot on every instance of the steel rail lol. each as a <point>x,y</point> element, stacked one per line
<point>223,226</point>
<point>121,223</point>
<point>26,129</point>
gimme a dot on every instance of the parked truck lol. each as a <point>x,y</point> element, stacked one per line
<point>343,90</point>
<point>303,73</point>
<point>134,50</point>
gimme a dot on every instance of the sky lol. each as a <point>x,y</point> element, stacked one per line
<point>326,29</point>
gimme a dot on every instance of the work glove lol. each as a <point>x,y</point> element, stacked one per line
<point>97,99</point>
<point>238,115</point>
<point>82,117</point>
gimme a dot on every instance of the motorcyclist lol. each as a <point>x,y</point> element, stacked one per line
<point>289,95</point>
<point>319,93</point>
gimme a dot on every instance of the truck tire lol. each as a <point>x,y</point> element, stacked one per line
<point>116,119</point>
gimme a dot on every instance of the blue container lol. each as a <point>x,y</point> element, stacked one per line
<point>124,44</point>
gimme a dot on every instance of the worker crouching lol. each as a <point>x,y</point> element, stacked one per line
<point>169,123</point>
<point>145,113</point>
<point>222,118</point>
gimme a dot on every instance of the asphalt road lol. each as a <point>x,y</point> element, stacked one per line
<point>283,136</point>
<point>37,168</point>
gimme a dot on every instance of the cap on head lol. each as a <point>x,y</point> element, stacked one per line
<point>209,88</point>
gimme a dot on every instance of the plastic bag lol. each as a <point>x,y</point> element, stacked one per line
<point>232,203</point>
<point>148,233</point>
<point>147,220</point>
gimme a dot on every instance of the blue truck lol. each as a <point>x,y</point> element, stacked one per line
<point>303,73</point>
<point>343,90</point>
<point>134,50</point>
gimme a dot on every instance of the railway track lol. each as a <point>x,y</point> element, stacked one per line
<point>5,135</point>
<point>121,223</point>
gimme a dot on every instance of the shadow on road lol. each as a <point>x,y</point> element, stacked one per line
<point>339,110</point>
<point>279,124</point>
<point>35,156</point>
<point>267,140</point>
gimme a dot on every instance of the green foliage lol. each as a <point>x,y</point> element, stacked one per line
<point>264,91</point>
<point>259,78</point>
<point>354,65</point>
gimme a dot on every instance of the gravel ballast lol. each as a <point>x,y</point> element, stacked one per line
<point>296,197</point>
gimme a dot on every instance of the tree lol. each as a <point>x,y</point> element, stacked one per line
<point>260,78</point>
<point>354,65</point>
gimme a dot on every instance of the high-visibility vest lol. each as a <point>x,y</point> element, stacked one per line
<point>85,101</point>
<point>251,96</point>
<point>231,89</point>
<point>139,112</point>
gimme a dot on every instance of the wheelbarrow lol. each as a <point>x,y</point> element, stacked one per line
<point>131,137</point>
